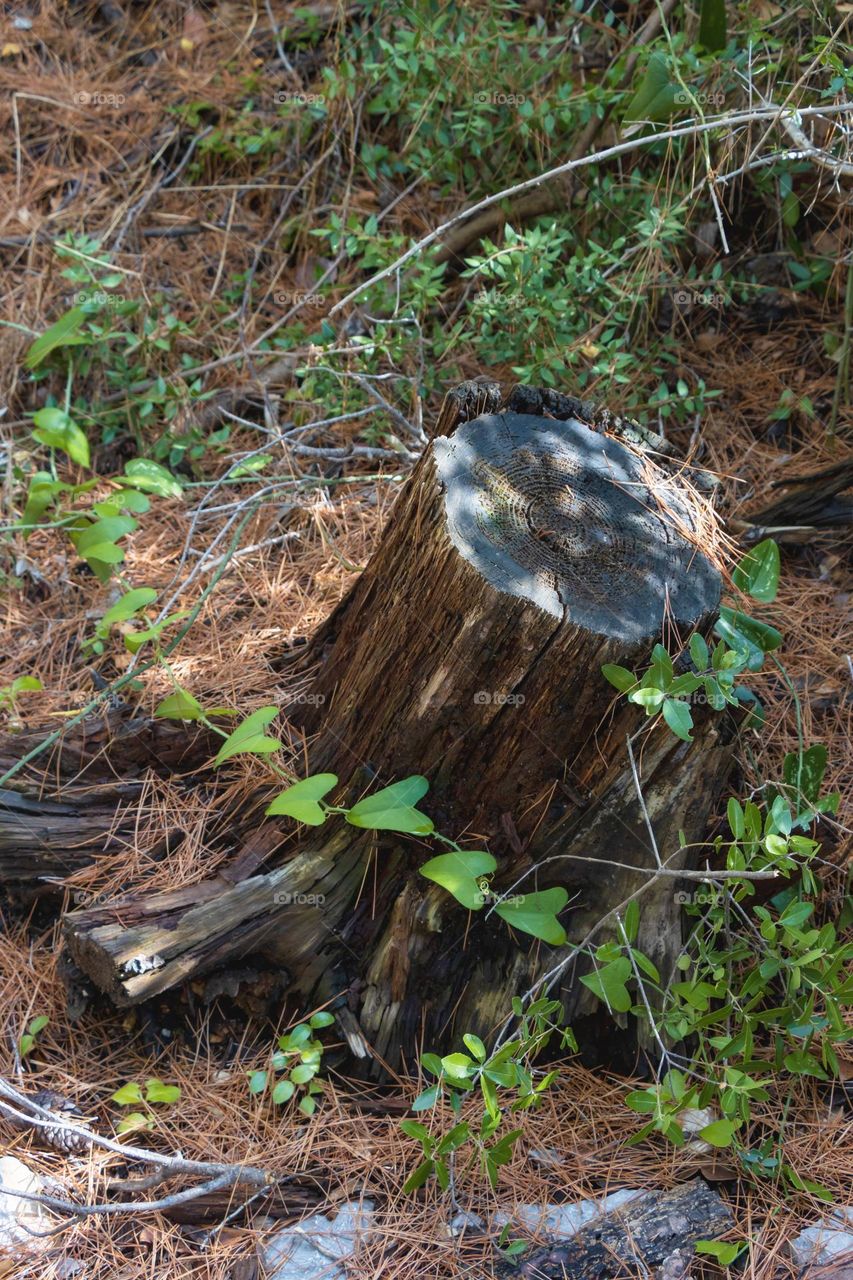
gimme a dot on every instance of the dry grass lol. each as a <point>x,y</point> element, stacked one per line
<point>82,167</point>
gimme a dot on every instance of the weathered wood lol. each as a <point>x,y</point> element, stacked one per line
<point>525,551</point>
<point>640,1235</point>
<point>62,811</point>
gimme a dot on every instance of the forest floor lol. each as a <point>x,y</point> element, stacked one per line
<point>92,104</point>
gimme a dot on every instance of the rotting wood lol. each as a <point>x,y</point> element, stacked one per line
<point>528,547</point>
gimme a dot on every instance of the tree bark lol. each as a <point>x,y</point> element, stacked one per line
<point>526,550</point>
<point>641,1234</point>
<point>56,817</point>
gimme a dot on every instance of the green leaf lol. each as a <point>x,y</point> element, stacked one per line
<point>41,494</point>
<point>421,1175</point>
<point>128,1095</point>
<point>801,1063</point>
<point>392,808</point>
<point>129,604</point>
<point>805,771</point>
<point>307,1106</point>
<point>257,1081</point>
<point>678,716</point>
<point>136,1120</point>
<point>631,922</point>
<point>457,1066</point>
<point>301,800</point>
<point>157,1091</point>
<point>414,1129</point>
<point>283,1091</point>
<point>699,652</point>
<point>719,1133</point>
<point>152,478</point>
<point>643,1101</point>
<point>54,428</point>
<point>38,1024</point>
<point>712,25</point>
<point>620,677</point>
<point>758,572</point>
<point>748,635</point>
<point>321,1019</point>
<point>64,333</point>
<point>424,1101</point>
<point>608,983</point>
<point>132,500</point>
<point>649,698</point>
<point>180,705</point>
<point>735,814</point>
<point>475,1045</point>
<point>536,914</point>
<point>302,1073</point>
<point>91,539</point>
<point>655,97</point>
<point>724,1251</point>
<point>459,872</point>
<point>247,738</point>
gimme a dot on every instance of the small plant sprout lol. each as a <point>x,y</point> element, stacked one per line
<point>27,1041</point>
<point>295,1065</point>
<point>154,1094</point>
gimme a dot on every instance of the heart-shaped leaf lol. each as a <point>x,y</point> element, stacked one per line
<point>758,572</point>
<point>180,705</point>
<point>719,1133</point>
<point>54,428</point>
<point>458,872</point>
<point>608,983</point>
<point>301,801</point>
<point>247,738</point>
<point>152,478</point>
<point>392,808</point>
<point>64,333</point>
<point>536,914</point>
<point>656,94</point>
<point>129,604</point>
<point>128,1094</point>
<point>157,1091</point>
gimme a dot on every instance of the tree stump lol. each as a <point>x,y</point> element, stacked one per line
<point>524,552</point>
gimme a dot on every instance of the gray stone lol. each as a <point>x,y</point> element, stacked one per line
<point>826,1243</point>
<point>565,1219</point>
<point>312,1249</point>
<point>19,1217</point>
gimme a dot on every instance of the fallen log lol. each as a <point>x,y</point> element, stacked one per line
<point>526,549</point>
<point>56,817</point>
<point>640,1235</point>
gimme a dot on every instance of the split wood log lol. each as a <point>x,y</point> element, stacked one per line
<point>58,816</point>
<point>524,552</point>
<point>632,1240</point>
